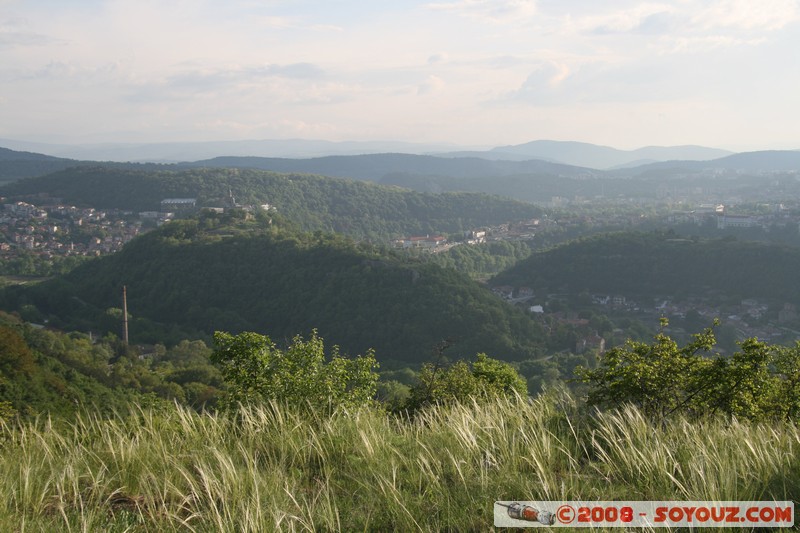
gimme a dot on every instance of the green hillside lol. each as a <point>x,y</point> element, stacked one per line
<point>197,276</point>
<point>658,264</point>
<point>15,165</point>
<point>312,202</point>
<point>538,187</point>
<point>53,373</point>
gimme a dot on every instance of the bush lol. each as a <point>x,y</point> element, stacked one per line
<point>256,370</point>
<point>485,378</point>
<point>662,379</point>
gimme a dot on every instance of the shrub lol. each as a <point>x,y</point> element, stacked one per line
<point>256,370</point>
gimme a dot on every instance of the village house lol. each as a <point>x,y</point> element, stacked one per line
<point>591,343</point>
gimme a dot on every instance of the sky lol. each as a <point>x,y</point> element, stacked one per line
<point>478,73</point>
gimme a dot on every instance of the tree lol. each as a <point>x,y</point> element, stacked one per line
<point>484,379</point>
<point>758,381</point>
<point>651,376</point>
<point>256,370</point>
<point>787,391</point>
<point>16,357</point>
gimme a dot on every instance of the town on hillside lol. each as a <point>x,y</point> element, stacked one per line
<point>53,229</point>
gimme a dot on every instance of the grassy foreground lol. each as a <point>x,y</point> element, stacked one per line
<point>274,469</point>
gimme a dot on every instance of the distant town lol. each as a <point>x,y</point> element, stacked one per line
<point>67,230</point>
<point>54,229</point>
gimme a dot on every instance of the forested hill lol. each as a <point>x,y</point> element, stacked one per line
<point>212,274</point>
<point>15,165</point>
<point>651,264</point>
<point>312,202</point>
<point>373,167</point>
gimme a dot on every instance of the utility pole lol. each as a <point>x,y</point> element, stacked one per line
<point>125,315</point>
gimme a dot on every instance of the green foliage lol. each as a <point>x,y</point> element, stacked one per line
<point>484,379</point>
<point>58,374</point>
<point>787,390</point>
<point>30,264</point>
<point>193,277</point>
<point>482,260</point>
<point>7,411</point>
<point>659,264</point>
<point>256,370</point>
<point>498,377</point>
<point>393,394</point>
<point>15,355</point>
<point>359,209</point>
<point>270,468</point>
<point>663,379</point>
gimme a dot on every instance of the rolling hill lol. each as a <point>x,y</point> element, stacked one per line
<point>763,161</point>
<point>374,167</point>
<point>222,273</point>
<point>363,210</point>
<point>605,157</point>
<point>658,264</point>
<point>16,165</point>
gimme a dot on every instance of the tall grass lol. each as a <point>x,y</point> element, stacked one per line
<point>270,468</point>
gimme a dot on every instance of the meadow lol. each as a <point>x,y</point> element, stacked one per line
<point>274,468</point>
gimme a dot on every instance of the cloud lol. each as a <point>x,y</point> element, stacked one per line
<point>763,15</point>
<point>57,71</point>
<point>506,61</point>
<point>293,23</point>
<point>432,85</point>
<point>279,23</point>
<point>15,33</point>
<point>645,19</point>
<point>206,80</point>
<point>674,27</point>
<point>711,42</point>
<point>545,84</point>
<point>493,11</point>
<point>289,84</point>
<point>684,17</point>
<point>295,70</point>
<point>657,23</point>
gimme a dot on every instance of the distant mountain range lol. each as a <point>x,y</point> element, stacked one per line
<point>764,161</point>
<point>563,152</point>
<point>15,165</point>
<point>192,151</point>
<point>375,167</point>
<point>594,156</point>
<point>530,180</point>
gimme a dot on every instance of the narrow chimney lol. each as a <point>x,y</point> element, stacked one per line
<point>125,315</point>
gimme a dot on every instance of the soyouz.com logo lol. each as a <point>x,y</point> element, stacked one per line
<point>643,514</point>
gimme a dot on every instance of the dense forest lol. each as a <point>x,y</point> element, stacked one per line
<point>657,264</point>
<point>43,371</point>
<point>15,165</point>
<point>236,272</point>
<point>484,259</point>
<point>359,209</point>
<point>539,188</point>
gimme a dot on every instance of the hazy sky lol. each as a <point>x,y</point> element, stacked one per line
<point>722,73</point>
